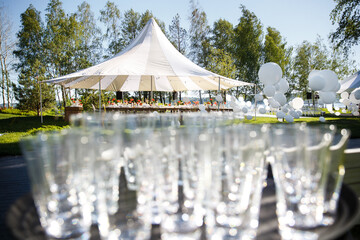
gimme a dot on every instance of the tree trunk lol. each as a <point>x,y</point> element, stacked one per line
<point>63,95</point>
<point>7,83</point>
<point>3,81</point>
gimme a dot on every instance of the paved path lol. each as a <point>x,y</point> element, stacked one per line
<point>14,183</point>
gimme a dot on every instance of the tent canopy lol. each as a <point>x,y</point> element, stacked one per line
<point>351,83</point>
<point>149,63</point>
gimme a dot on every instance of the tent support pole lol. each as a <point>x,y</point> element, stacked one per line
<point>218,94</point>
<point>41,111</point>
<point>255,100</point>
<point>100,96</point>
<point>151,93</point>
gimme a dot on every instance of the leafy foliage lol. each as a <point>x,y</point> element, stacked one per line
<point>178,35</point>
<point>346,15</point>
<point>31,64</point>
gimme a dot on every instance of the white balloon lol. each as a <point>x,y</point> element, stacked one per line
<point>337,88</point>
<point>283,85</point>
<point>331,80</point>
<point>249,117</point>
<point>262,110</point>
<point>327,97</point>
<point>269,90</point>
<point>270,73</point>
<point>259,97</point>
<point>244,110</point>
<point>299,112</point>
<point>293,113</point>
<point>337,113</point>
<point>280,114</point>
<point>312,73</point>
<point>321,119</point>
<point>266,102</point>
<point>357,94</point>
<point>277,86</point>
<point>297,103</point>
<point>356,113</point>
<point>219,98</point>
<point>273,103</point>
<point>344,95</point>
<point>280,98</point>
<point>316,82</point>
<point>353,99</point>
<point>248,104</point>
<point>285,109</point>
<point>289,118</point>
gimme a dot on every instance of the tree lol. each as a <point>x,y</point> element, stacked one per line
<point>61,42</point>
<point>111,17</point>
<point>89,50</point>
<point>89,35</point>
<point>347,15</point>
<point>275,49</point>
<point>31,64</point>
<point>248,47</point>
<point>7,45</point>
<point>199,35</point>
<point>177,34</point>
<point>130,26</point>
<point>223,36</point>
<point>308,57</point>
<point>146,16</point>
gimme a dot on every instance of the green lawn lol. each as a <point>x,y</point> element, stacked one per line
<point>14,127</point>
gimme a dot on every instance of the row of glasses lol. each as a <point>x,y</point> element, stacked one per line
<point>308,168</point>
<point>186,173</point>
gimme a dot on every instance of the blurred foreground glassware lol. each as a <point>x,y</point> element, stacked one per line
<point>183,183</point>
<point>300,173</point>
<point>57,184</point>
<point>336,175</point>
<point>238,172</point>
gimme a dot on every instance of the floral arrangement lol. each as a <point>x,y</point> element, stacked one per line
<point>76,102</point>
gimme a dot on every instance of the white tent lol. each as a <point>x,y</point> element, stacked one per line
<point>350,84</point>
<point>149,63</point>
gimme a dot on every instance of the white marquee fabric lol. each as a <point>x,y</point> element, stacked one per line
<point>350,84</point>
<point>149,63</point>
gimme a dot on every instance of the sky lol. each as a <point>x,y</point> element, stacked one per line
<point>296,20</point>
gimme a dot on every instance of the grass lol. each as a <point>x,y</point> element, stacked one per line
<point>15,125</point>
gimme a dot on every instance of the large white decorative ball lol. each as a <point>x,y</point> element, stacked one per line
<point>280,98</point>
<point>270,73</point>
<point>289,118</point>
<point>297,103</point>
<point>283,85</point>
<point>259,97</point>
<point>331,80</point>
<point>327,97</point>
<point>344,95</point>
<point>316,82</point>
<point>269,90</point>
<point>262,110</point>
<point>357,94</point>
